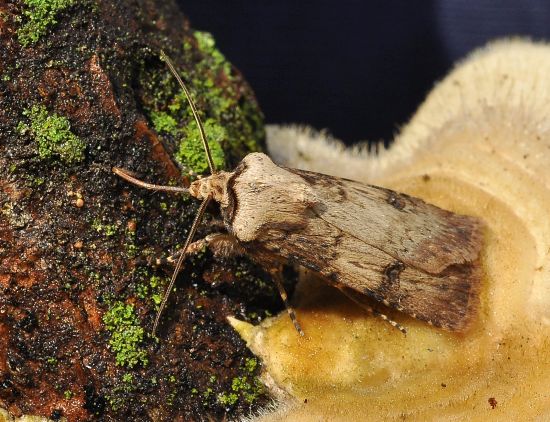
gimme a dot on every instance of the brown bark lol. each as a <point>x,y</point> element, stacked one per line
<point>75,240</point>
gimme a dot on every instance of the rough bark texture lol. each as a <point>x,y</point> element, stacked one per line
<point>82,89</point>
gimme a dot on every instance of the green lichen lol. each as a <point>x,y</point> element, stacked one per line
<point>191,151</point>
<point>16,217</point>
<point>53,135</point>
<point>228,399</point>
<point>164,123</point>
<point>109,230</point>
<point>40,14</point>
<point>247,387</point>
<point>207,45</point>
<point>250,365</point>
<point>131,249</point>
<point>118,395</point>
<point>151,288</point>
<point>209,392</point>
<point>126,335</point>
<point>233,123</point>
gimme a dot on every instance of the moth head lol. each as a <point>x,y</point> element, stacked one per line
<point>214,186</point>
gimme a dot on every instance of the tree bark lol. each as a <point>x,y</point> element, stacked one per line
<point>82,89</point>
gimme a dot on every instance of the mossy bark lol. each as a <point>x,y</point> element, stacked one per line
<point>86,92</point>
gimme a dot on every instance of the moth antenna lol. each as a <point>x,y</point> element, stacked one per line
<point>126,175</point>
<point>291,313</point>
<point>190,236</point>
<point>193,110</point>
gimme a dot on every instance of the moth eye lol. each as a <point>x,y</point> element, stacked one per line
<point>396,201</point>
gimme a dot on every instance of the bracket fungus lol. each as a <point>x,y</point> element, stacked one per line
<point>479,145</point>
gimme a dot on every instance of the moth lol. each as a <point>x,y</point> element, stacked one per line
<point>366,240</point>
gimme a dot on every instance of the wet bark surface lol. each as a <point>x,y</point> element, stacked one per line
<point>81,91</point>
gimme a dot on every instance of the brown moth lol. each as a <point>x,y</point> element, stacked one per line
<point>369,241</point>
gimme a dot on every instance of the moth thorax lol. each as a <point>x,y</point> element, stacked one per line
<point>214,185</point>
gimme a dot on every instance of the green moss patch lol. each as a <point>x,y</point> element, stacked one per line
<point>249,388</point>
<point>151,288</point>
<point>119,394</point>
<point>191,151</point>
<point>40,14</point>
<point>53,135</point>
<point>164,123</point>
<point>207,45</point>
<point>126,335</point>
<point>233,124</point>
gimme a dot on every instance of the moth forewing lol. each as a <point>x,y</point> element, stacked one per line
<point>398,250</point>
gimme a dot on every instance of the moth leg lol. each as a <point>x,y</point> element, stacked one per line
<point>161,261</point>
<point>216,224</point>
<point>171,260</point>
<point>222,245</point>
<point>370,309</point>
<point>390,321</point>
<point>276,274</point>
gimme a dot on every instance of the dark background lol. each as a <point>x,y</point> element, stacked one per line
<point>357,68</point>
